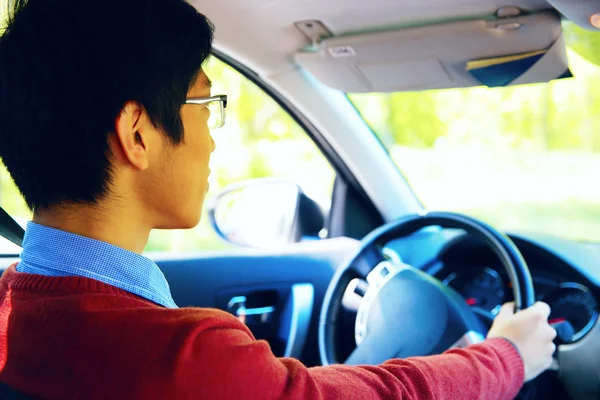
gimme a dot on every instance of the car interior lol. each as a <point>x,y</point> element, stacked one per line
<point>369,268</point>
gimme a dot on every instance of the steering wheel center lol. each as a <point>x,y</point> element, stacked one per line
<point>422,315</point>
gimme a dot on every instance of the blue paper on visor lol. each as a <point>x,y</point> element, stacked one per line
<point>501,71</point>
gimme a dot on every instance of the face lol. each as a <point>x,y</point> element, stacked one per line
<point>180,175</point>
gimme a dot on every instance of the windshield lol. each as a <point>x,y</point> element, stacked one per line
<point>521,158</point>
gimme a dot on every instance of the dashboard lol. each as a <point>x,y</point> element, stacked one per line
<point>474,271</point>
<point>565,274</point>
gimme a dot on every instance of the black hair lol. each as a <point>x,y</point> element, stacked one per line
<point>67,68</point>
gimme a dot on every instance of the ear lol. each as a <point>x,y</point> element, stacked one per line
<point>130,135</point>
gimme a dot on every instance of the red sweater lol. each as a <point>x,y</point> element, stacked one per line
<point>67,338</point>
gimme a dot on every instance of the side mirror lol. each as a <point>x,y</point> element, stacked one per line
<point>265,213</point>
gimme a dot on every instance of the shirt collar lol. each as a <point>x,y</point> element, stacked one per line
<point>58,253</point>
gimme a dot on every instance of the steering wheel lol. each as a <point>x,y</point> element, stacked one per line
<point>406,312</point>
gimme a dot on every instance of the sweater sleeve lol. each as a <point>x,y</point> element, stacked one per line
<point>240,367</point>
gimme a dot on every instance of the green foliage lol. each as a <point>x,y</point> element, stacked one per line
<point>10,198</point>
<point>584,42</point>
<point>559,115</point>
<point>523,157</point>
<point>407,118</point>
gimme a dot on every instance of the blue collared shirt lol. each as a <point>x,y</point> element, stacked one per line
<point>52,252</point>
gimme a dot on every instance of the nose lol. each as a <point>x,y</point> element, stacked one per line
<point>214,145</point>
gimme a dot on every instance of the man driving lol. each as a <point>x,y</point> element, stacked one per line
<point>105,127</point>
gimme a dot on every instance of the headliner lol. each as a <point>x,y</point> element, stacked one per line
<point>261,33</point>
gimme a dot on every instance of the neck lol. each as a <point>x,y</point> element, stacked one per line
<point>120,226</point>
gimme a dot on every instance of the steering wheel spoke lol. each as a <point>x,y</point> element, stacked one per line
<point>369,258</point>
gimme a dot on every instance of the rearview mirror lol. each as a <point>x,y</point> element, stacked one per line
<point>265,213</point>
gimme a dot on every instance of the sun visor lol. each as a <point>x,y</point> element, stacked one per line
<point>500,52</point>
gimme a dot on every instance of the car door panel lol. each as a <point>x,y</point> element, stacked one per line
<point>279,293</point>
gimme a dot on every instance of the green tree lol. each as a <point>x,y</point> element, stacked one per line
<point>584,42</point>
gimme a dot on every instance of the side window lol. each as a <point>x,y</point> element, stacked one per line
<point>259,140</point>
<point>14,204</point>
<point>10,198</point>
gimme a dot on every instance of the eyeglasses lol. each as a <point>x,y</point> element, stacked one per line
<point>216,105</point>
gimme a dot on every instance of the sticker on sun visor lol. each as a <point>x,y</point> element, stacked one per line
<point>342,51</point>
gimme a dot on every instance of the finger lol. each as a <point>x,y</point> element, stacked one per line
<point>542,309</point>
<point>506,310</point>
<point>552,334</point>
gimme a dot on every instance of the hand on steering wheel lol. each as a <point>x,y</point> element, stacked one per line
<point>530,333</point>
